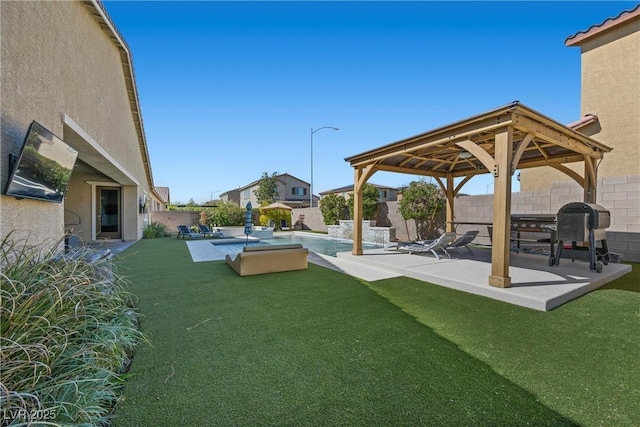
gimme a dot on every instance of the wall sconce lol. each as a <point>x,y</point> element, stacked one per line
<point>142,205</point>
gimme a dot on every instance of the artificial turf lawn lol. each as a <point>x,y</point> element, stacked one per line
<point>317,347</point>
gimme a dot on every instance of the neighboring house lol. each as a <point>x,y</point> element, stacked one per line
<point>387,194</point>
<point>231,196</point>
<point>610,110</point>
<point>65,65</point>
<point>164,201</point>
<point>292,191</point>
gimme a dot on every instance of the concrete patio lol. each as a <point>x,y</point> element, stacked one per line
<point>535,284</point>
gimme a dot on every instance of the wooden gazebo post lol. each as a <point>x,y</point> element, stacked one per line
<point>357,212</point>
<point>361,175</point>
<point>500,249</point>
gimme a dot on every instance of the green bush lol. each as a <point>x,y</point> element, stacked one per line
<point>333,208</point>
<point>424,202</point>
<point>370,196</point>
<point>155,230</point>
<point>225,214</point>
<point>67,332</point>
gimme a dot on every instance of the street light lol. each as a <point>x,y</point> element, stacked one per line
<point>311,187</point>
<point>489,185</point>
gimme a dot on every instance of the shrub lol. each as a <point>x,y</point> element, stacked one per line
<point>424,202</point>
<point>225,214</point>
<point>67,332</point>
<point>333,208</point>
<point>370,196</point>
<point>155,230</point>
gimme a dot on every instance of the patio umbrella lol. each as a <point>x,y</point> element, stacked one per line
<point>248,223</point>
<point>276,205</point>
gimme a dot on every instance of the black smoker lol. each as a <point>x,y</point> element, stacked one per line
<point>579,222</point>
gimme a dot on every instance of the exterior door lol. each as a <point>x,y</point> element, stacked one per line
<point>108,221</point>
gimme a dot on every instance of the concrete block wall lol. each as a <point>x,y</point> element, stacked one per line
<point>619,195</point>
<point>172,219</point>
<point>312,218</point>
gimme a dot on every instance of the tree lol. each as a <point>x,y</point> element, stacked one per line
<point>333,208</point>
<point>267,191</point>
<point>424,203</point>
<point>370,198</point>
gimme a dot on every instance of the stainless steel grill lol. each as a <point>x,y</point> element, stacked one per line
<point>581,223</point>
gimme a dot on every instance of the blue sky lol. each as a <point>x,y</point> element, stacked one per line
<point>230,90</point>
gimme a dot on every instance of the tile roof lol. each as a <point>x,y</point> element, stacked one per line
<point>583,121</point>
<point>624,16</point>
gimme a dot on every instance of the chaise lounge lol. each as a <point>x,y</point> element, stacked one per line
<point>269,259</point>
<point>184,231</point>
<point>463,241</point>
<point>441,243</point>
<point>206,231</point>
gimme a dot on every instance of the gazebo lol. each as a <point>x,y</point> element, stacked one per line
<point>496,142</point>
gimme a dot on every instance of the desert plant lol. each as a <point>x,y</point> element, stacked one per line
<point>67,332</point>
<point>155,230</point>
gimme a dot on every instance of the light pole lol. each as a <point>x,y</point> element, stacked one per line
<point>489,185</point>
<point>311,186</point>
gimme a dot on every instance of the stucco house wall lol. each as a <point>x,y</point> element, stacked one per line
<point>610,89</point>
<point>63,66</point>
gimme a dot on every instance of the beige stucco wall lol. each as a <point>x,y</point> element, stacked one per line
<point>610,89</point>
<point>56,60</point>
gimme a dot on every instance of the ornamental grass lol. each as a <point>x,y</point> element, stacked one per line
<point>68,328</point>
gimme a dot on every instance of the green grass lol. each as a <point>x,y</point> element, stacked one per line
<point>317,347</point>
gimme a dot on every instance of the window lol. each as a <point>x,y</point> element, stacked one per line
<point>383,193</point>
<point>246,194</point>
<point>298,191</point>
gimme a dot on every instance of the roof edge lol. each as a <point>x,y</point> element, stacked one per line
<point>624,16</point>
<point>127,65</point>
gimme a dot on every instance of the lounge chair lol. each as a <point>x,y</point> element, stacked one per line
<point>207,232</point>
<point>463,241</point>
<point>432,246</point>
<point>183,231</point>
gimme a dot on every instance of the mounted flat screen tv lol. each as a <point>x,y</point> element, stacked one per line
<point>44,167</point>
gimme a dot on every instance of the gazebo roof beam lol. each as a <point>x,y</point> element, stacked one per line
<point>550,160</point>
<point>556,137</point>
<point>422,142</point>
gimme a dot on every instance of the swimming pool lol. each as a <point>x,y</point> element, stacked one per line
<point>319,244</point>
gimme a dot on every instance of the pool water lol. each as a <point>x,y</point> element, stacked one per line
<point>320,244</point>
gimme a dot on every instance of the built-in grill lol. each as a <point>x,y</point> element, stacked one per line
<point>581,223</point>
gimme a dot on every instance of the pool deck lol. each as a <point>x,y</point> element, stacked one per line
<point>535,284</point>
<point>204,250</point>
